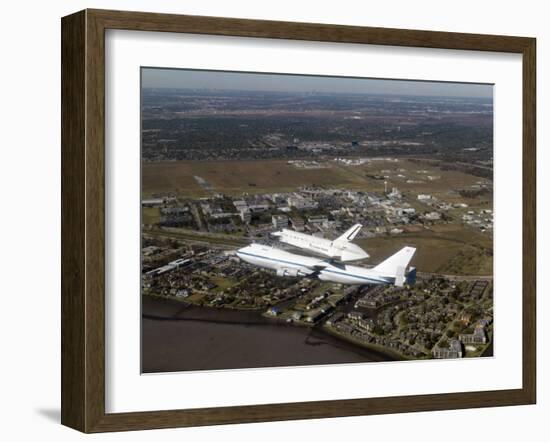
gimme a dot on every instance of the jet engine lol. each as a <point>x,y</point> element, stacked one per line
<point>282,271</point>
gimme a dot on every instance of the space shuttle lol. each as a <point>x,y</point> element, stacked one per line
<point>341,248</point>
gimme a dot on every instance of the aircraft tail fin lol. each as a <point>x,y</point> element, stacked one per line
<point>411,276</point>
<point>396,266</point>
<point>349,234</point>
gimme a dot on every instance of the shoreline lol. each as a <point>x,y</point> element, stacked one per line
<point>372,347</point>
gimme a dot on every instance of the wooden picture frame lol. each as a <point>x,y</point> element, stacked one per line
<point>83,220</point>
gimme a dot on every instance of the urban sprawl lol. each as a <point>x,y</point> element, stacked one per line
<point>224,169</point>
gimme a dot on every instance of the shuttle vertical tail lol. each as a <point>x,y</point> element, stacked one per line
<point>349,234</point>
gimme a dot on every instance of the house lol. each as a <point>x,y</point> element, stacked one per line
<point>452,352</point>
<point>477,337</point>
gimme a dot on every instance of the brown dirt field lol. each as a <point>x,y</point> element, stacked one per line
<point>456,250</point>
<point>150,215</point>
<point>235,177</point>
<point>168,177</point>
<point>449,180</point>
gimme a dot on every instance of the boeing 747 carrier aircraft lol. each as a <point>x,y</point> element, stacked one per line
<point>390,271</point>
<point>341,248</point>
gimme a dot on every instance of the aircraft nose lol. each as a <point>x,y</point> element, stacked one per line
<point>239,252</point>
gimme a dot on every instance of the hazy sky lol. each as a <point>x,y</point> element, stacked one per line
<point>199,79</point>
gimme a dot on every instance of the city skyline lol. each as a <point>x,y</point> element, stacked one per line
<point>172,78</point>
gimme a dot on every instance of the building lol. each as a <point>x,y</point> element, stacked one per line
<point>284,208</point>
<point>477,337</point>
<point>260,207</point>
<point>317,219</point>
<point>299,202</point>
<point>172,211</point>
<point>297,224</point>
<point>240,205</point>
<point>452,352</point>
<point>355,316</point>
<point>432,216</point>
<point>395,193</point>
<point>422,197</point>
<point>175,216</point>
<point>222,215</point>
<point>296,316</point>
<point>314,316</point>
<point>246,215</point>
<point>152,202</point>
<point>150,250</point>
<point>361,323</point>
<point>335,318</point>
<point>280,221</point>
<point>273,311</point>
<point>168,267</point>
<point>466,318</point>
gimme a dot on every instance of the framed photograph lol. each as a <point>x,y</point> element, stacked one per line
<point>268,220</point>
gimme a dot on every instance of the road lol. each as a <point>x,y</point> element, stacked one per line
<point>198,237</point>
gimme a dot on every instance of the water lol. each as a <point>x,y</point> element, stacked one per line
<point>177,337</point>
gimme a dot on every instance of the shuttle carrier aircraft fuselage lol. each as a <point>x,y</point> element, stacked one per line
<point>390,271</point>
